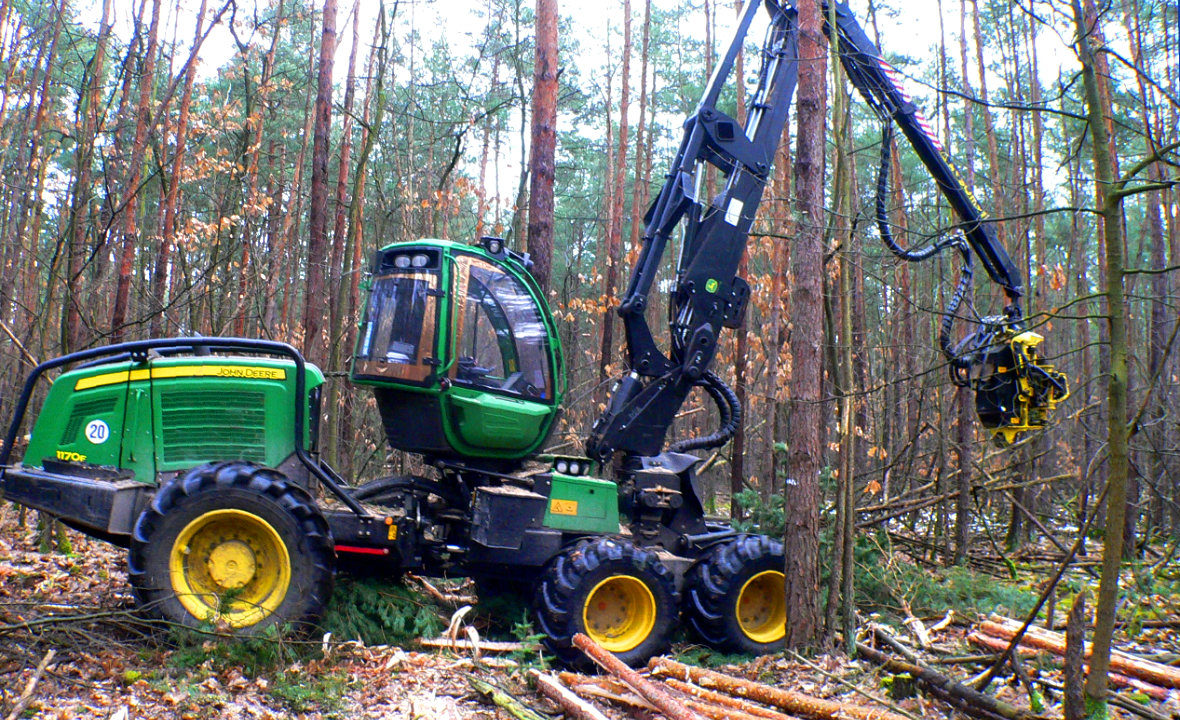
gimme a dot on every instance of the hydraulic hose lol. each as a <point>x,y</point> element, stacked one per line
<point>957,361</point>
<point>882,211</point>
<point>729,408</point>
<point>966,273</point>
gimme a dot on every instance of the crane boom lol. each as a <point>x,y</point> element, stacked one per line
<point>708,294</point>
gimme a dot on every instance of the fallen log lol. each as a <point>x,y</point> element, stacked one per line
<point>987,642</point>
<point>962,697</point>
<point>491,646</point>
<point>794,702</point>
<point>605,687</point>
<point>645,688</point>
<point>1026,649</point>
<point>1121,662</point>
<point>439,596</point>
<point>718,712</point>
<point>727,701</point>
<point>572,705</point>
<point>624,699</point>
<point>1028,646</point>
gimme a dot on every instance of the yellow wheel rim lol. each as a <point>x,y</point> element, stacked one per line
<point>230,566</point>
<point>762,607</point>
<point>619,613</point>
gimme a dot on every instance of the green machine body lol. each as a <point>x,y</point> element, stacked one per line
<point>165,414</point>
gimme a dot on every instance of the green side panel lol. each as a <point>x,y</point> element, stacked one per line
<point>66,417</point>
<point>582,504</point>
<point>494,422</point>
<point>171,414</point>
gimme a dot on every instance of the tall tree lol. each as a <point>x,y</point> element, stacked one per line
<point>143,113</point>
<point>316,297</point>
<point>159,289</point>
<point>544,143</point>
<point>337,292</point>
<point>1111,191</point>
<point>614,221</point>
<point>73,333</point>
<point>805,458</point>
<point>964,424</point>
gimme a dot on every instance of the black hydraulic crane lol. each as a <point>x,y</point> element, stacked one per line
<point>1014,390</point>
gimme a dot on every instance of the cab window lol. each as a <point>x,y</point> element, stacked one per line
<point>502,342</point>
<point>397,336</point>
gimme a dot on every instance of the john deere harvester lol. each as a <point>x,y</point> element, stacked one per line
<point>200,454</point>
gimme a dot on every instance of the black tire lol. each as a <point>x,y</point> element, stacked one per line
<point>735,598</point>
<point>242,520</point>
<point>635,596</point>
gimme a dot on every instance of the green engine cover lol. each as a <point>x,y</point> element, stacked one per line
<point>172,414</point>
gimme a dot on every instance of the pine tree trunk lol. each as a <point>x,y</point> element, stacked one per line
<point>131,190</point>
<point>337,291</point>
<point>73,334</point>
<point>314,342</point>
<point>805,456</point>
<point>615,215</point>
<point>544,143</point>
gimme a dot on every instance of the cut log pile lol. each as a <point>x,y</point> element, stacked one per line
<point>684,692</point>
<point>1157,681</point>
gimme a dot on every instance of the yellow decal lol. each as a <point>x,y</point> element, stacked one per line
<point>248,372</point>
<point>393,532</point>
<point>70,456</point>
<point>563,507</point>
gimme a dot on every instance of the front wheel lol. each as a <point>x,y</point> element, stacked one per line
<point>233,545</point>
<point>735,595</point>
<point>618,593</point>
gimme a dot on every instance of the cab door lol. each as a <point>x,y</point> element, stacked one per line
<point>501,395</point>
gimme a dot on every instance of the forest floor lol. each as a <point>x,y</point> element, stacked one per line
<point>106,662</point>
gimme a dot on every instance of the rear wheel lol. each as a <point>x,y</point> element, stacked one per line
<point>735,595</point>
<point>619,594</point>
<point>233,545</point>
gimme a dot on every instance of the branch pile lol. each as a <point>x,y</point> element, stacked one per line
<point>684,692</point>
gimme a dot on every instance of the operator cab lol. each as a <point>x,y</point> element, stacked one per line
<point>460,349</point>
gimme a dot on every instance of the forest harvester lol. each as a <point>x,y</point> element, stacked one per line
<point>200,454</point>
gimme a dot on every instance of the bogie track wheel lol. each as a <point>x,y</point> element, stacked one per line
<point>735,595</point>
<point>618,593</point>
<point>233,545</point>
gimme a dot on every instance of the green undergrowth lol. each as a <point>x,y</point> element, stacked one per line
<point>276,655</point>
<point>273,648</point>
<point>703,656</point>
<point>379,611</point>
<point>887,584</point>
<point>301,693</point>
